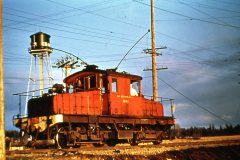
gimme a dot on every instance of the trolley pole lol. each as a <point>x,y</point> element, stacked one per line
<point>2,124</point>
<point>154,67</point>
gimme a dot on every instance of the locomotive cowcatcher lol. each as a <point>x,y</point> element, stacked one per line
<point>97,106</point>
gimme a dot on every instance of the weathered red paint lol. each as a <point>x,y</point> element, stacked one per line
<point>100,92</point>
<point>94,102</point>
<point>122,103</point>
<point>87,103</point>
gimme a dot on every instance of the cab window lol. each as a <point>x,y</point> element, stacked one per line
<point>79,84</point>
<point>114,85</point>
<point>92,80</point>
<point>105,85</point>
<point>134,88</point>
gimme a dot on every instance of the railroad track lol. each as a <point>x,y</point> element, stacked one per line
<point>146,148</point>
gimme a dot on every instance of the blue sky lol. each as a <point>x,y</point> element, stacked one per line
<point>202,55</point>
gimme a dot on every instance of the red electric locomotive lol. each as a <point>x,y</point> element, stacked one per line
<point>98,107</point>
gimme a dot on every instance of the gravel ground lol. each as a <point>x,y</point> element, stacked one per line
<point>209,148</point>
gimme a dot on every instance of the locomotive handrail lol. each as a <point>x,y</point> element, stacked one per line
<point>21,93</point>
<point>18,116</point>
<point>161,98</point>
<point>20,99</point>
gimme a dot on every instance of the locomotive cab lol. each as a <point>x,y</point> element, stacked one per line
<point>106,81</point>
<point>119,93</point>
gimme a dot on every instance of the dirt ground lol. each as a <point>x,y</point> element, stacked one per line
<point>207,148</point>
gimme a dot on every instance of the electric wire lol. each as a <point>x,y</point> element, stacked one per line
<point>171,37</point>
<point>69,23</point>
<point>227,2</point>
<point>33,14</point>
<point>202,12</point>
<point>68,31</point>
<point>39,17</point>
<point>189,19</point>
<point>58,13</point>
<point>108,7</point>
<point>193,18</point>
<point>99,15</point>
<point>72,38</point>
<point>212,7</point>
<point>78,58</point>
<point>66,26</point>
<point>160,33</point>
<point>194,102</point>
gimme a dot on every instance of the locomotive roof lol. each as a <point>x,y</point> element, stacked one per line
<point>94,69</point>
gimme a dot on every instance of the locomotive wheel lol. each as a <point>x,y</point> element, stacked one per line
<point>24,137</point>
<point>158,140</point>
<point>133,142</point>
<point>111,142</point>
<point>98,144</point>
<point>61,138</point>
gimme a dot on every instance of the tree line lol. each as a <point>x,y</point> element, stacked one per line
<point>225,130</point>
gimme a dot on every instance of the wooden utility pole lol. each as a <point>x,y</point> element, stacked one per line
<point>2,124</point>
<point>154,67</point>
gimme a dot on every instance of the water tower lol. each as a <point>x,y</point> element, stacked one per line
<point>40,51</point>
<point>40,48</point>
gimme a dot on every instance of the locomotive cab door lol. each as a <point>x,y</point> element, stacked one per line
<point>104,85</point>
<point>125,97</point>
<point>119,95</point>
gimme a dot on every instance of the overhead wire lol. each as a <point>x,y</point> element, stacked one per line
<point>190,19</point>
<point>189,43</point>
<point>139,25</point>
<point>72,38</point>
<point>180,40</point>
<point>108,7</point>
<point>68,31</point>
<point>185,52</point>
<point>99,15</point>
<point>171,37</point>
<point>71,23</point>
<point>212,7</point>
<point>203,12</point>
<point>72,28</point>
<point>194,102</point>
<point>178,55</point>
<point>227,2</point>
<point>33,14</point>
<point>186,16</point>
<point>57,13</point>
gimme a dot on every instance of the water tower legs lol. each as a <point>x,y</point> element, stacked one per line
<point>41,79</point>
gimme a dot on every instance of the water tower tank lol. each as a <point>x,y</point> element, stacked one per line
<point>40,40</point>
